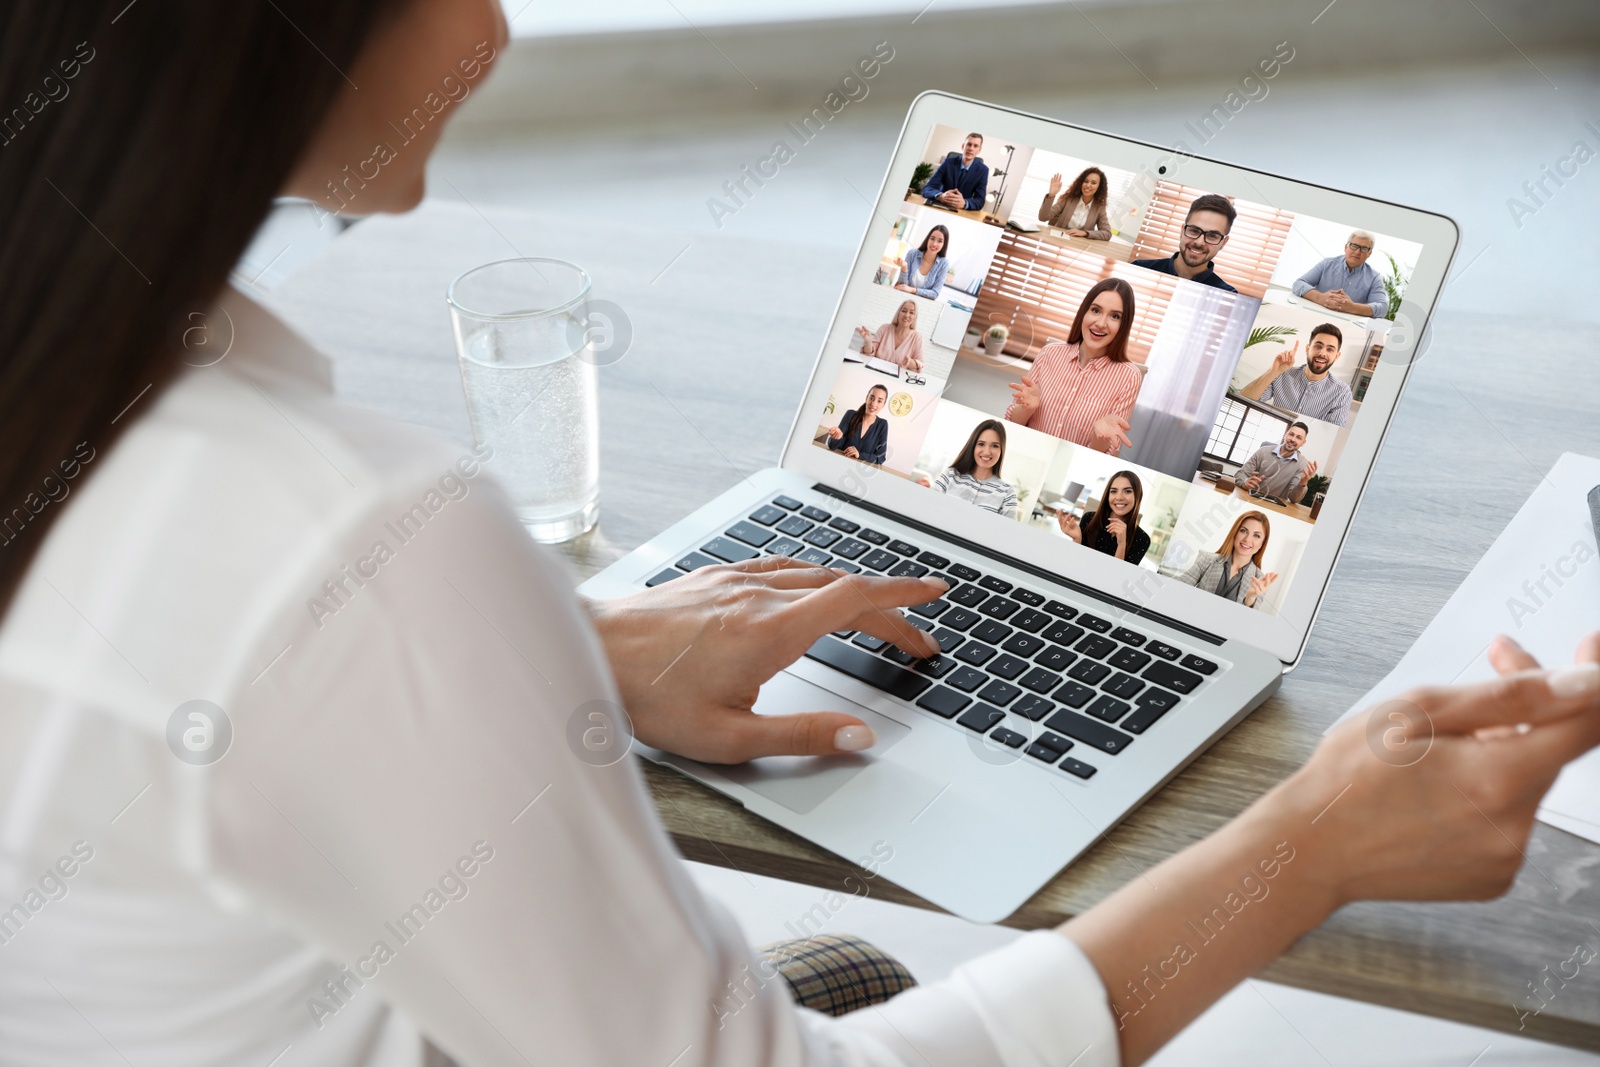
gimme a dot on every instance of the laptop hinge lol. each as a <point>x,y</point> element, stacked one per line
<point>1022,565</point>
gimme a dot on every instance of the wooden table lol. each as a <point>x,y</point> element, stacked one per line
<point>1228,488</point>
<point>1467,446</point>
<point>978,214</point>
<point>1114,248</point>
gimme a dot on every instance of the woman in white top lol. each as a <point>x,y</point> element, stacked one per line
<point>974,475</point>
<point>283,786</point>
<point>897,341</point>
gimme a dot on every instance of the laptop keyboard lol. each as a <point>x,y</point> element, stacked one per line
<point>1077,684</point>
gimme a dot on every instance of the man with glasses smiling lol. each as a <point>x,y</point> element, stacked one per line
<point>1205,234</point>
<point>1345,282</point>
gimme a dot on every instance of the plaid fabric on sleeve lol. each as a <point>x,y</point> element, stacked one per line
<point>837,974</point>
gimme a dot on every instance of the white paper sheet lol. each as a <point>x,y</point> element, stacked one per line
<point>1540,584</point>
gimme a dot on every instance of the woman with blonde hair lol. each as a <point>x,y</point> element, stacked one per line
<point>896,341</point>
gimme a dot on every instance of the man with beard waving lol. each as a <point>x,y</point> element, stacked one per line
<point>1310,390</point>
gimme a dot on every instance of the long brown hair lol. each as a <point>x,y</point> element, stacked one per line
<point>1075,190</point>
<point>128,195</point>
<point>1102,513</point>
<point>1226,551</point>
<point>1117,352</point>
<point>966,462</point>
<point>861,412</point>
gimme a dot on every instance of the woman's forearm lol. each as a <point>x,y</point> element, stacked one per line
<point>1171,942</point>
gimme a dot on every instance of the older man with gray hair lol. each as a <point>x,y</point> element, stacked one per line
<point>1345,282</point>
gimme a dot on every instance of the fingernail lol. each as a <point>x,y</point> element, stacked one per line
<point>854,738</point>
<point>1579,681</point>
<point>940,582</point>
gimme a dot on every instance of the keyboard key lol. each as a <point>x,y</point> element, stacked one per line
<point>935,666</point>
<point>1094,622</point>
<point>1127,636</point>
<point>1008,667</point>
<point>1024,645</point>
<point>844,635</point>
<point>785,546</point>
<point>1129,659</point>
<point>815,555</point>
<point>998,692</point>
<point>960,618</point>
<point>1175,678</point>
<point>948,639</point>
<point>905,659</point>
<point>1096,646</point>
<point>844,525</point>
<point>848,568</point>
<point>1108,709</point>
<point>1063,633</point>
<point>694,561</point>
<point>1055,741</point>
<point>934,560</point>
<point>870,643</point>
<point>980,717</point>
<point>1030,620</point>
<point>1097,735</point>
<point>873,537</point>
<point>1123,685</point>
<point>728,551</point>
<point>816,514</point>
<point>999,607</point>
<point>1028,596</point>
<point>1157,698</point>
<point>1089,671</point>
<point>794,526</point>
<point>1009,738</point>
<point>662,578</point>
<point>1077,767</point>
<point>849,548</point>
<point>1043,752</point>
<point>966,679</point>
<point>766,514</point>
<point>998,585</point>
<point>1040,680</point>
<point>1060,610</point>
<point>991,632</point>
<point>942,701</point>
<point>865,667</point>
<point>822,537</point>
<point>905,548</point>
<point>968,596</point>
<point>1143,718</point>
<point>932,609</point>
<point>1074,694</point>
<point>907,568</point>
<point>975,652</point>
<point>926,625</point>
<point>1032,707</point>
<point>878,560</point>
<point>750,533</point>
<point>1055,658</point>
<point>787,502</point>
<point>1162,649</point>
<point>1195,663</point>
<point>964,572</point>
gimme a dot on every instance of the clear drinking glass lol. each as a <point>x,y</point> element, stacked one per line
<point>531,388</point>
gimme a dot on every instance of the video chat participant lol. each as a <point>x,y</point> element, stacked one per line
<point>1083,390</point>
<point>863,434</point>
<point>974,476</point>
<point>922,269</point>
<point>1278,470</point>
<point>1114,526</point>
<point>1347,282</point>
<point>1234,569</point>
<point>896,341</point>
<point>1205,234</point>
<point>1081,210</point>
<point>1310,390</point>
<point>962,179</point>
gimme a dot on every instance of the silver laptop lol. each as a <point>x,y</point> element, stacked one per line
<point>1131,438</point>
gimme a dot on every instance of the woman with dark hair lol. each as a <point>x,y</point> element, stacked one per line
<point>923,269</point>
<point>1084,390</point>
<point>252,769</point>
<point>1082,210</point>
<point>974,475</point>
<point>862,433</point>
<point>1114,526</point>
<point>896,341</point>
<point>1234,570</point>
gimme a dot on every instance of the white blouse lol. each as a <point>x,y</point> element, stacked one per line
<point>399,839</point>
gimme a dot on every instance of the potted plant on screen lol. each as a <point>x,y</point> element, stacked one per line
<point>1317,483</point>
<point>1394,283</point>
<point>920,176</point>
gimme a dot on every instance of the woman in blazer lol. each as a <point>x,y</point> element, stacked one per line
<point>1081,210</point>
<point>862,433</point>
<point>1234,569</point>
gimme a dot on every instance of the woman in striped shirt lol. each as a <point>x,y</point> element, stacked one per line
<point>898,341</point>
<point>1083,391</point>
<point>975,474</point>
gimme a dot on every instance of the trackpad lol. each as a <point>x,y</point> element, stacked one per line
<point>800,783</point>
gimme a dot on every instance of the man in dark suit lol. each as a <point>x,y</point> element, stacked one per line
<point>962,180</point>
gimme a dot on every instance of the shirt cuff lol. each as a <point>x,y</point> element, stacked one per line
<point>1300,288</point>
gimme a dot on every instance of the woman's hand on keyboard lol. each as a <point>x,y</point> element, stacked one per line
<point>691,655</point>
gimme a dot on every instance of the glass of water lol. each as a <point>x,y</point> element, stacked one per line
<point>531,388</point>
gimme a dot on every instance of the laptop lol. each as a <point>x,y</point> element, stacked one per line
<point>1079,672</point>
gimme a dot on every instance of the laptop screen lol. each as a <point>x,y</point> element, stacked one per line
<point>1157,372</point>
